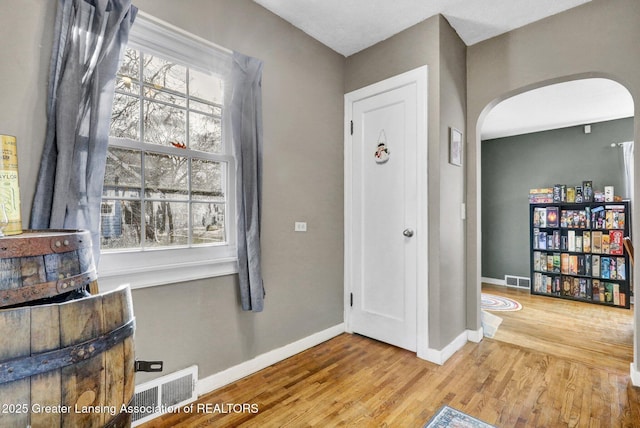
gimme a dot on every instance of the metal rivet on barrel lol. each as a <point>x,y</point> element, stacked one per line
<point>58,243</point>
<point>66,242</point>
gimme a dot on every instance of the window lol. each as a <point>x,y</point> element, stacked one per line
<point>164,174</point>
<point>168,188</point>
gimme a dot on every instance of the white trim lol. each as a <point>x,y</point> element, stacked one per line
<point>423,211</point>
<point>635,375</point>
<point>441,356</point>
<point>150,33</point>
<point>419,76</point>
<point>167,274</point>
<point>160,266</point>
<point>263,361</point>
<point>494,281</point>
<point>475,336</point>
<point>348,211</point>
<point>165,266</point>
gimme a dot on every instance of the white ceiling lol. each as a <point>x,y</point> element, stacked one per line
<point>349,26</point>
<point>557,106</point>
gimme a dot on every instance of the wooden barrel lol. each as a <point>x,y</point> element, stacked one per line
<point>44,264</point>
<point>68,364</point>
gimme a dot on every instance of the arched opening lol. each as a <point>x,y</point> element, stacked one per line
<point>554,133</point>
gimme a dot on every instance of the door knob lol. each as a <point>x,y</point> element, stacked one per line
<point>408,233</point>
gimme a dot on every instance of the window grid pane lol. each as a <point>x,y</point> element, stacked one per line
<point>208,223</point>
<point>125,117</point>
<point>167,224</point>
<point>122,176</point>
<point>207,180</point>
<point>205,133</point>
<point>164,125</point>
<point>166,177</point>
<point>120,224</point>
<point>162,74</point>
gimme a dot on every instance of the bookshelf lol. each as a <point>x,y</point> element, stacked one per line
<point>577,251</point>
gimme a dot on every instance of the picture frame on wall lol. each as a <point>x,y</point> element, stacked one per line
<point>455,147</point>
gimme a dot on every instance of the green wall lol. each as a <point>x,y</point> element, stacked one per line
<point>513,165</point>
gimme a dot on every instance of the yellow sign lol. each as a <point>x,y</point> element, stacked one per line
<point>9,189</point>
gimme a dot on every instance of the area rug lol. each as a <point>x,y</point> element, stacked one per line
<point>448,417</point>
<point>490,302</point>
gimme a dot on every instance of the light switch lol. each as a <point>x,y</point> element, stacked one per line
<point>300,226</point>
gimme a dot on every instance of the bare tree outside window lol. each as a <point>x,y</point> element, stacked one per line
<point>165,182</point>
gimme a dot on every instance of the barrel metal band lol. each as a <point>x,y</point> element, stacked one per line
<point>30,244</point>
<point>28,293</point>
<point>122,419</point>
<point>24,367</point>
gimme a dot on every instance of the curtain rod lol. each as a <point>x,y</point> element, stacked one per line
<point>614,145</point>
<point>185,33</point>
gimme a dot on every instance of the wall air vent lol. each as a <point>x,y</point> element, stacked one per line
<point>517,281</point>
<point>160,395</point>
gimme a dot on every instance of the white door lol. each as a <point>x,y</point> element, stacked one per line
<point>382,216</point>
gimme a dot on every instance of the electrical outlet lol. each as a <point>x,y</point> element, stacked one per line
<point>300,226</point>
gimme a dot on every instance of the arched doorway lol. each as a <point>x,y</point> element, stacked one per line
<point>578,116</point>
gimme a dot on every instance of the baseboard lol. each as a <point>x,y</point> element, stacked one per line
<point>635,375</point>
<point>494,281</point>
<point>232,374</point>
<point>441,356</point>
<point>475,336</point>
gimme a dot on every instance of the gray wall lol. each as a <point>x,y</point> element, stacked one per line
<point>447,310</point>
<point>597,39</point>
<point>513,165</point>
<point>304,82</point>
<point>26,29</point>
<point>434,43</point>
<point>200,322</point>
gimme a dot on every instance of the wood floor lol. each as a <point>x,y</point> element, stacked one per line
<point>600,336</point>
<point>551,374</point>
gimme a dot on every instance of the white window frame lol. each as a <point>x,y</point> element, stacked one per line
<point>161,266</point>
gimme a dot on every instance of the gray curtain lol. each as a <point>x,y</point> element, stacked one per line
<point>627,156</point>
<point>246,124</point>
<point>89,36</point>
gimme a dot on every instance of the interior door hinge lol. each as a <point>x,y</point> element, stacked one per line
<point>352,127</point>
<point>351,299</point>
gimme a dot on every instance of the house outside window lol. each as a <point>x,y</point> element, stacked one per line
<point>167,206</point>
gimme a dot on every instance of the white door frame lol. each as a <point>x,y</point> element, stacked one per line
<point>419,77</point>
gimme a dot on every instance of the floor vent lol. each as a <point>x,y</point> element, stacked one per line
<point>160,395</point>
<point>517,281</point>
